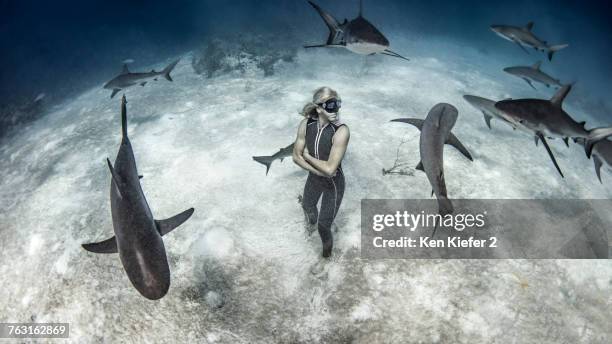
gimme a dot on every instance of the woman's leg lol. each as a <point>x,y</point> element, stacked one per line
<point>332,198</point>
<point>312,193</point>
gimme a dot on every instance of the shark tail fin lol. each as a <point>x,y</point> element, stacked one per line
<point>167,225</point>
<point>596,135</point>
<point>124,126</point>
<point>264,160</point>
<point>107,246</point>
<point>554,48</point>
<point>445,206</point>
<point>168,69</point>
<point>335,33</point>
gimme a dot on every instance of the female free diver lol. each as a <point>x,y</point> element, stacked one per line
<point>319,148</point>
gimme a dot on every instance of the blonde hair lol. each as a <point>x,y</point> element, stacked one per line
<point>320,95</point>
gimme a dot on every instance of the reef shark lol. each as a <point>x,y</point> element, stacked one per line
<point>602,153</point>
<point>357,35</point>
<point>126,78</point>
<point>523,37</point>
<point>533,73</point>
<point>138,236</point>
<point>280,155</point>
<point>435,132</point>
<point>546,118</point>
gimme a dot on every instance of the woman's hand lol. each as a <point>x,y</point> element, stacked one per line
<point>331,116</point>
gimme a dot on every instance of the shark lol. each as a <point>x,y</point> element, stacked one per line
<point>435,133</point>
<point>524,37</point>
<point>533,73</point>
<point>602,154</point>
<point>138,236</point>
<point>280,155</point>
<point>546,119</point>
<point>126,78</point>
<point>357,35</point>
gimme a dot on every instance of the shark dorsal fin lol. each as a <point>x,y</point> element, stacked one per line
<point>529,26</point>
<point>124,128</point>
<point>558,98</point>
<point>115,177</point>
<point>360,8</point>
<point>125,69</point>
<point>537,65</point>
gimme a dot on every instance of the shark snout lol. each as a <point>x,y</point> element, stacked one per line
<point>499,30</point>
<point>472,99</point>
<point>109,85</point>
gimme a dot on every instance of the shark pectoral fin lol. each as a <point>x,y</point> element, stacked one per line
<point>167,225</point>
<point>143,83</point>
<point>394,54</point>
<point>521,46</point>
<point>536,139</point>
<point>414,121</point>
<point>107,246</point>
<point>566,140</point>
<point>552,157</point>
<point>115,176</point>
<point>454,141</point>
<point>315,46</point>
<point>420,166</point>
<point>115,90</point>
<point>335,31</point>
<point>529,82</point>
<point>487,119</point>
<point>140,176</point>
<point>598,164</point>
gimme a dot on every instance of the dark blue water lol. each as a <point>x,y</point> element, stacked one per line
<point>64,47</point>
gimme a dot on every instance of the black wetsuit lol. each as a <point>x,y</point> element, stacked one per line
<point>319,144</point>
